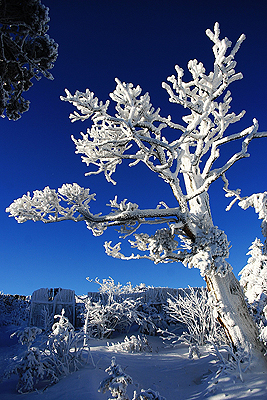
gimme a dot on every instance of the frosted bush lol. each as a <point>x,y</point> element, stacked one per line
<point>47,319</point>
<point>30,370</point>
<point>152,317</point>
<point>116,310</point>
<point>103,319</point>
<point>64,348</point>
<point>119,306</point>
<point>109,288</point>
<point>148,394</point>
<point>32,366</point>
<point>59,354</point>
<point>194,310</point>
<point>28,335</point>
<point>14,310</point>
<point>234,361</point>
<point>131,345</point>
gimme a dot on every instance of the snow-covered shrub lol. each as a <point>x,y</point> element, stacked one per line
<point>116,383</point>
<point>254,283</point>
<point>31,369</point>
<point>14,310</point>
<point>232,360</point>
<point>117,309</point>
<point>64,348</point>
<point>131,345</point>
<point>47,319</point>
<point>194,310</point>
<point>32,366</point>
<point>109,289</point>
<point>152,317</point>
<point>59,354</point>
<point>103,319</point>
<point>148,394</point>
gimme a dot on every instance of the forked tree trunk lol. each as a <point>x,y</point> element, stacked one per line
<point>233,313</point>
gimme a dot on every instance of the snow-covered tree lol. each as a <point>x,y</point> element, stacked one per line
<point>254,283</point>
<point>26,52</point>
<point>116,383</point>
<point>254,274</point>
<point>186,162</point>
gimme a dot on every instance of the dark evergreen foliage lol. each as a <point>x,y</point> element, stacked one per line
<point>26,51</point>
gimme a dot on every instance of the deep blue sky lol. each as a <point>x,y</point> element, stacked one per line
<point>138,42</point>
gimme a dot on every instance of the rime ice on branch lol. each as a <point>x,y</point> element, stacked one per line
<point>136,133</point>
<point>185,162</point>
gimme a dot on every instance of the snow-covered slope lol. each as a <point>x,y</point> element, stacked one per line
<point>166,370</point>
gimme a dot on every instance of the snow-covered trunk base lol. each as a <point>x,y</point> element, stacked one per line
<point>232,310</point>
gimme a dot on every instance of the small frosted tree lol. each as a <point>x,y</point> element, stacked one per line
<point>26,52</point>
<point>185,162</point>
<point>254,274</point>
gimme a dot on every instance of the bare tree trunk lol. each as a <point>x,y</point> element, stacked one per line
<point>233,313</point>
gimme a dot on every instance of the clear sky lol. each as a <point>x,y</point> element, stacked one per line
<point>140,42</point>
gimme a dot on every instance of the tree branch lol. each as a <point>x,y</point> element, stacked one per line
<point>48,206</point>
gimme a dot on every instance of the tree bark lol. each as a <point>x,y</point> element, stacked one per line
<point>233,313</point>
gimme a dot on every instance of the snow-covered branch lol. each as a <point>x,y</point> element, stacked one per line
<point>160,247</point>
<point>199,93</point>
<point>47,205</point>
<point>135,132</point>
<point>71,202</point>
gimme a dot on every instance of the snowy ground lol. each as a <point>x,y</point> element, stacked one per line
<point>168,371</point>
